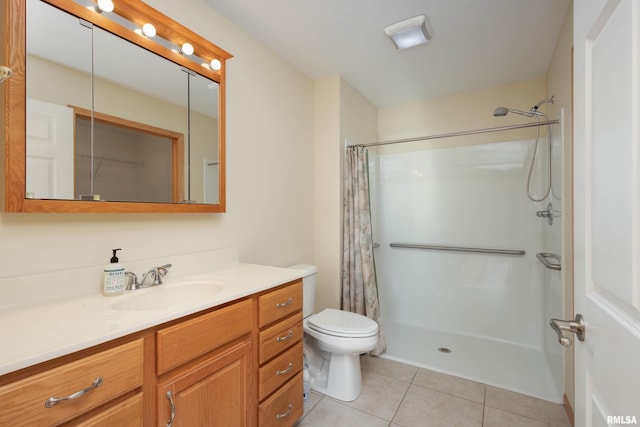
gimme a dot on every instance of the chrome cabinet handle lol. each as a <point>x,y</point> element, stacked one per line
<point>286,337</point>
<point>169,396</point>
<point>285,371</point>
<point>285,414</point>
<point>576,326</point>
<point>284,304</point>
<point>53,401</point>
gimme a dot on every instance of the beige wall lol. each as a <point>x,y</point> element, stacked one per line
<point>460,112</point>
<point>342,113</point>
<point>327,192</point>
<point>559,83</point>
<point>270,216</point>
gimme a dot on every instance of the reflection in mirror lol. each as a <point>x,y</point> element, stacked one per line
<point>143,89</point>
<point>203,159</point>
<point>125,160</point>
<point>144,146</point>
<point>51,85</point>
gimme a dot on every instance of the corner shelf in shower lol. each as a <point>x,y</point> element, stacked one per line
<point>549,260</point>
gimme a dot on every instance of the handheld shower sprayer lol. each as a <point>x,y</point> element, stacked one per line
<point>533,113</point>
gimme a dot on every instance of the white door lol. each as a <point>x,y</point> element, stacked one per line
<point>607,210</point>
<point>49,150</point>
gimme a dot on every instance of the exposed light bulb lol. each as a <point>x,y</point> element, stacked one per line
<point>216,64</point>
<point>104,6</point>
<point>149,30</point>
<point>187,49</point>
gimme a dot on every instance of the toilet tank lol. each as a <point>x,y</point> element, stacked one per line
<point>308,287</point>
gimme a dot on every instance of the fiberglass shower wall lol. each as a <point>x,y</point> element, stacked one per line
<point>470,196</point>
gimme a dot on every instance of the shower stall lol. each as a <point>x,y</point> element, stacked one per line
<point>462,289</point>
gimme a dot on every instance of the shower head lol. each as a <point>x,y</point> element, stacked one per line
<point>503,111</point>
<point>500,112</point>
<point>533,111</point>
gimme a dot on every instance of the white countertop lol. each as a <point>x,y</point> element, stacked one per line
<point>40,332</point>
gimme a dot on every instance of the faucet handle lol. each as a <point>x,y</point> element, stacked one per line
<point>132,281</point>
<point>163,270</point>
<point>160,272</point>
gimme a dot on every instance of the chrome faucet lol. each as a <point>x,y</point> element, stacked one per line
<point>156,274</point>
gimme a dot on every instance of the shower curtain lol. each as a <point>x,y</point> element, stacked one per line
<point>359,284</point>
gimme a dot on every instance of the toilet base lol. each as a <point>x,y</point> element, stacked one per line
<point>342,377</point>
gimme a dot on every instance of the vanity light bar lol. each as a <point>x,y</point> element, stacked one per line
<point>108,9</point>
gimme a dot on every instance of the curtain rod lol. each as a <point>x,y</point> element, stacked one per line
<point>462,133</point>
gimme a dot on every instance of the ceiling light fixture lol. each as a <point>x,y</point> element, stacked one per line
<point>410,32</point>
<point>104,6</point>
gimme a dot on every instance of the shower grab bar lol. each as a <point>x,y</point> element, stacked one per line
<point>544,257</point>
<point>458,249</point>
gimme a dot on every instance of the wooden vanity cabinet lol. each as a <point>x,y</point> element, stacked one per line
<point>104,377</point>
<point>239,364</point>
<point>280,356</point>
<point>214,390</point>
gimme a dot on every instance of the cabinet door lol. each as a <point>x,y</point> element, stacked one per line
<point>217,392</point>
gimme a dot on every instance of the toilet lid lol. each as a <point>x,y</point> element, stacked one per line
<point>343,323</point>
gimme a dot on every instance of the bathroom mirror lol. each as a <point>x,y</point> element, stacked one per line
<point>137,125</point>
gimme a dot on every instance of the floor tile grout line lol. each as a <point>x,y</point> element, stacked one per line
<point>450,394</point>
<point>400,404</point>
<point>342,403</point>
<point>546,422</point>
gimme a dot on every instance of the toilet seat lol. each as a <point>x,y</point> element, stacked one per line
<point>342,324</point>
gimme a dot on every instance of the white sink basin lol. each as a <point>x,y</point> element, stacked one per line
<point>162,296</point>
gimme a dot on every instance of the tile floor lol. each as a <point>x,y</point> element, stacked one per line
<point>399,395</point>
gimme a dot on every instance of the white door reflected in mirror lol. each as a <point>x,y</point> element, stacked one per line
<point>49,151</point>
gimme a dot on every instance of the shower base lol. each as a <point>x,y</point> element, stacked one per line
<point>491,362</point>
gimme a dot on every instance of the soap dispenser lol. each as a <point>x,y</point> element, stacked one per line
<point>113,282</point>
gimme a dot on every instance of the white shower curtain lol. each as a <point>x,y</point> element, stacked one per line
<point>359,284</point>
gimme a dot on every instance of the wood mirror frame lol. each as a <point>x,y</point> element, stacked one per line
<point>13,109</point>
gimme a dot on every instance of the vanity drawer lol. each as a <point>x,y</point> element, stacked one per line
<point>280,370</point>
<point>280,303</point>
<point>284,407</point>
<point>280,336</point>
<point>185,341</point>
<point>23,402</point>
<point>128,413</point>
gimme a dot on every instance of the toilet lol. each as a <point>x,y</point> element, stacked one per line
<point>333,342</point>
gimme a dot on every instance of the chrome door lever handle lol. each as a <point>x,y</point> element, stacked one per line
<point>576,326</point>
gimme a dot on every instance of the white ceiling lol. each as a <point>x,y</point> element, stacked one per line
<point>476,43</point>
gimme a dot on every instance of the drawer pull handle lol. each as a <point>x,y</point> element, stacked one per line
<point>169,396</point>
<point>286,337</point>
<point>285,371</point>
<point>285,414</point>
<point>284,304</point>
<point>53,401</point>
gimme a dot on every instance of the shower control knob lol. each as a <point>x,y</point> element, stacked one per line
<point>548,213</point>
